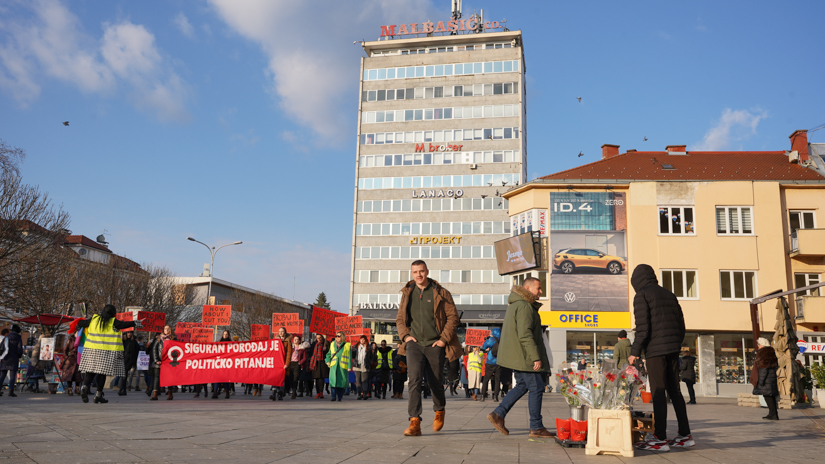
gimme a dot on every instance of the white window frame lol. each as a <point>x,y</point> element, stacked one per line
<point>684,281</point>
<point>727,227</point>
<point>733,288</point>
<point>670,223</point>
<point>808,281</point>
<point>801,211</point>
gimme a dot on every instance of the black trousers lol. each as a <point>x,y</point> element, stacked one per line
<point>156,380</point>
<point>491,372</point>
<point>691,393</point>
<point>319,386</point>
<point>772,407</point>
<point>398,383</point>
<point>100,380</point>
<point>294,376</point>
<point>425,361</point>
<point>663,373</point>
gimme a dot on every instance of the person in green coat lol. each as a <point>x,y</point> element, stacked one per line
<point>338,360</point>
<point>522,349</point>
<point>622,349</point>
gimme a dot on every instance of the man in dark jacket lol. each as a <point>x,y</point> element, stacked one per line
<point>688,373</point>
<point>660,329</point>
<point>522,349</point>
<point>130,354</point>
<point>491,370</point>
<point>10,361</point>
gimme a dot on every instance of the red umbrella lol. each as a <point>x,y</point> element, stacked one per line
<point>47,319</point>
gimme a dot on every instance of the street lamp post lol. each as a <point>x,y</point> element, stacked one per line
<point>212,252</point>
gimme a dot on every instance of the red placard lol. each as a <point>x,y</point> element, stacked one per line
<point>295,327</point>
<point>196,363</point>
<point>151,321</point>
<point>356,339</point>
<point>323,321</point>
<point>260,332</point>
<point>202,335</point>
<point>125,317</point>
<point>350,325</point>
<point>217,314</point>
<point>282,320</point>
<point>476,337</point>
<point>180,326</point>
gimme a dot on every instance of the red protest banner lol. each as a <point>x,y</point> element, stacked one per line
<point>217,314</point>
<point>476,337</point>
<point>323,321</point>
<point>151,321</point>
<point>196,363</point>
<point>295,327</point>
<point>125,317</point>
<point>350,325</point>
<point>282,319</point>
<point>260,332</point>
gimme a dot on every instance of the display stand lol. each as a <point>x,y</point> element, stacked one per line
<point>609,432</point>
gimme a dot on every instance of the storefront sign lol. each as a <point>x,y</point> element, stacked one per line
<point>379,306</point>
<point>543,222</point>
<point>453,25</point>
<point>815,348</point>
<point>585,319</point>
<point>803,345</point>
<point>197,363</point>
<point>435,240</point>
<point>449,193</point>
<point>419,148</point>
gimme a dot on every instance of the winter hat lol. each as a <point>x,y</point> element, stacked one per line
<point>762,341</point>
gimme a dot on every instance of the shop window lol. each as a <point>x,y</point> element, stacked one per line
<point>676,220</point>
<point>734,220</point>
<point>734,357</point>
<point>803,280</point>
<point>682,283</point>
<point>737,285</point>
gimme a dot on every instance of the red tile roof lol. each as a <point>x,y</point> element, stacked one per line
<point>86,241</point>
<point>695,166</point>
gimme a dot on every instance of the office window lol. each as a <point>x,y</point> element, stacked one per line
<point>676,220</point>
<point>737,285</point>
<point>734,220</point>
<point>803,280</point>
<point>682,283</point>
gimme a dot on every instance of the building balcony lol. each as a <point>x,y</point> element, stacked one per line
<point>810,309</point>
<point>807,242</point>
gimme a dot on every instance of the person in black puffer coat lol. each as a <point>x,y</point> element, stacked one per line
<point>763,376</point>
<point>689,374</point>
<point>660,329</point>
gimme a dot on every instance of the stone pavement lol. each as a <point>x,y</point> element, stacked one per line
<point>59,429</point>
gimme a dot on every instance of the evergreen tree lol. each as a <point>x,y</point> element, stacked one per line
<point>322,302</point>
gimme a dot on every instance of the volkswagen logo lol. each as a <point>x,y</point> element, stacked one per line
<point>569,297</point>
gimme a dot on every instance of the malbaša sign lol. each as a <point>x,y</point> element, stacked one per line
<point>428,27</point>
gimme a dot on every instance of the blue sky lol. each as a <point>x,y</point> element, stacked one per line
<point>235,120</point>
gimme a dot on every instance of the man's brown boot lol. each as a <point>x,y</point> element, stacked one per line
<point>154,395</point>
<point>498,423</point>
<point>540,433</point>
<point>169,396</point>
<point>438,422</point>
<point>414,430</point>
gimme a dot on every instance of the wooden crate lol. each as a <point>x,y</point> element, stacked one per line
<point>609,432</point>
<point>641,426</point>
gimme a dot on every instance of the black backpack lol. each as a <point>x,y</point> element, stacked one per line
<point>494,349</point>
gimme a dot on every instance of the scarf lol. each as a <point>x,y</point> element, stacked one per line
<point>317,355</point>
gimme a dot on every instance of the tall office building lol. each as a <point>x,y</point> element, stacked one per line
<point>440,138</point>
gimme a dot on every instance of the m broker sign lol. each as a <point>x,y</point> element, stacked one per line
<point>454,25</point>
<point>421,148</point>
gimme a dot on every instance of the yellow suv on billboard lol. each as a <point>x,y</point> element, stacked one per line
<point>568,259</point>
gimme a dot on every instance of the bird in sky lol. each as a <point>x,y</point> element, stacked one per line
<point>503,183</point>
<point>65,123</point>
<point>581,154</point>
<point>645,140</point>
<point>580,99</point>
<point>490,184</point>
<point>497,194</point>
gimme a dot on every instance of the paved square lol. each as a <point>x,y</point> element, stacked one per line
<point>59,429</point>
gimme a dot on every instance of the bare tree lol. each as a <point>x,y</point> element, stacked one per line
<point>254,308</point>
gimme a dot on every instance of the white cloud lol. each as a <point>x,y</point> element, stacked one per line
<point>313,64</point>
<point>46,40</point>
<point>733,126</point>
<point>184,25</point>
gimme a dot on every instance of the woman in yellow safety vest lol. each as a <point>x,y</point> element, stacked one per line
<point>102,351</point>
<point>338,360</point>
<point>474,361</point>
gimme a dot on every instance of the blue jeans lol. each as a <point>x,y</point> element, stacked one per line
<point>337,392</point>
<point>531,383</point>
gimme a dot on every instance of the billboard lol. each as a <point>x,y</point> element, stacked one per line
<point>517,253</point>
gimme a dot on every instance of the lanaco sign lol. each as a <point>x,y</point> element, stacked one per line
<point>440,193</point>
<point>428,27</point>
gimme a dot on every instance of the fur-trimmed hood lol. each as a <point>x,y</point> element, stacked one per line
<point>523,293</point>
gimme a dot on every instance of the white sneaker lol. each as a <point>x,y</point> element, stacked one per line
<point>653,445</point>
<point>682,442</point>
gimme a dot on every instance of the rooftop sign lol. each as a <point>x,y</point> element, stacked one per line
<point>453,25</point>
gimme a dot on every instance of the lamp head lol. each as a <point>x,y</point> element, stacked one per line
<point>190,239</point>
<point>237,243</point>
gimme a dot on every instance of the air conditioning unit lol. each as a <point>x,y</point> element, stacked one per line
<point>473,166</point>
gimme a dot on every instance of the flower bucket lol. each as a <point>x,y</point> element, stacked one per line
<point>647,397</point>
<point>578,413</point>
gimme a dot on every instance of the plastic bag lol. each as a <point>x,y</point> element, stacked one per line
<point>578,430</point>
<point>563,428</point>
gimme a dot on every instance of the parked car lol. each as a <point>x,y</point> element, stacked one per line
<point>568,259</point>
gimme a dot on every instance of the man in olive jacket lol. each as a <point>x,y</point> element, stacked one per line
<point>522,349</point>
<point>427,323</point>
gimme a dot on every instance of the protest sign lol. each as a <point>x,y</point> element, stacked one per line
<point>323,321</point>
<point>126,317</point>
<point>196,363</point>
<point>356,339</point>
<point>152,321</point>
<point>350,325</point>
<point>282,319</point>
<point>142,361</point>
<point>295,327</point>
<point>134,310</point>
<point>260,332</point>
<point>476,337</point>
<point>181,326</point>
<point>217,314</point>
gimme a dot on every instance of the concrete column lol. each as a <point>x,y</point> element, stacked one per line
<point>707,366</point>
<point>556,348</point>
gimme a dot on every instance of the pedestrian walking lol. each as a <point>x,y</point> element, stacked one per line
<point>688,373</point>
<point>102,350</point>
<point>522,349</point>
<point>660,330</point>
<point>338,360</point>
<point>299,348</point>
<point>474,371</point>
<point>399,374</point>
<point>491,369</point>
<point>384,366</point>
<point>427,321</point>
<point>318,365</point>
<point>361,360</point>
<point>130,354</point>
<point>157,350</point>
<point>12,350</point>
<point>279,391</point>
<point>453,374</point>
<point>763,376</point>
<point>621,351</point>
<point>69,372</point>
